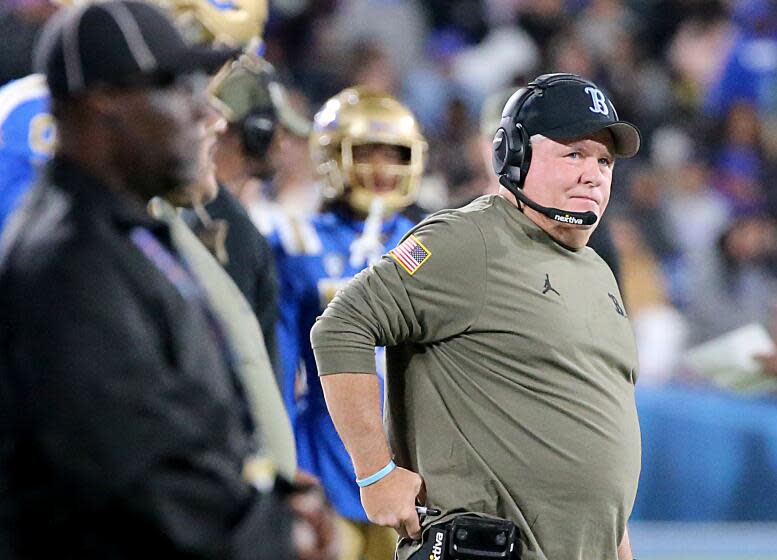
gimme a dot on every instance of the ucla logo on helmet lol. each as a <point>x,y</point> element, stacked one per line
<point>381,126</point>
<point>223,4</point>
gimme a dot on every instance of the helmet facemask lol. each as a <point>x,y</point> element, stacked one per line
<point>358,121</point>
<point>395,181</point>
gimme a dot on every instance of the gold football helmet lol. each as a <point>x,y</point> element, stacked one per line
<point>235,23</point>
<point>358,117</point>
<point>230,22</point>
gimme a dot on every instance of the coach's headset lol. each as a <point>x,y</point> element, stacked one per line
<point>243,90</point>
<point>512,148</point>
<point>259,125</point>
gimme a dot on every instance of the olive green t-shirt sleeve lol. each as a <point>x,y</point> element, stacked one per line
<point>387,305</point>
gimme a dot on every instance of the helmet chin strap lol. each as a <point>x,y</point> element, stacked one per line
<point>367,248</point>
<point>585,219</point>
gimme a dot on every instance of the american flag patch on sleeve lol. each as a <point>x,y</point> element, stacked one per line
<point>411,254</point>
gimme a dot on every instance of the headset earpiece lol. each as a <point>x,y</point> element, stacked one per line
<point>500,146</point>
<point>522,152</point>
<point>511,145</point>
<point>257,131</point>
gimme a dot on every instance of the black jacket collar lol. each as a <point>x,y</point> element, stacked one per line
<point>126,210</point>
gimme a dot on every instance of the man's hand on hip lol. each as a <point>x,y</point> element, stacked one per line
<point>391,502</point>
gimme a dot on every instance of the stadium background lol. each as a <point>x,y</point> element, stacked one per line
<point>693,216</point>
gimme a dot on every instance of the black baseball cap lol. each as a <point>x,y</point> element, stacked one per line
<point>565,106</point>
<point>118,43</point>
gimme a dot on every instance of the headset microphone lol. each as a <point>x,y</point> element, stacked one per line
<point>564,216</point>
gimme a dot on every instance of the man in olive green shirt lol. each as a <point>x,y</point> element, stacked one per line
<point>511,361</point>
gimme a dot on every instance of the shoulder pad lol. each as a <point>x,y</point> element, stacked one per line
<point>26,124</point>
<point>263,217</point>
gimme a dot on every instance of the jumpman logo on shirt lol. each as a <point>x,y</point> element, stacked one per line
<point>548,287</point>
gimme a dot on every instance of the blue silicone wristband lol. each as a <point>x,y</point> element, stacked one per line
<point>381,474</point>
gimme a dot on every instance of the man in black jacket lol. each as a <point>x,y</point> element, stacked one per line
<point>125,430</point>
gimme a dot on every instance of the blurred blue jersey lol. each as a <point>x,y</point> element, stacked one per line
<point>313,259</point>
<point>26,138</point>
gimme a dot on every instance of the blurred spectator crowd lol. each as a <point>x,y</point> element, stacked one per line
<point>693,216</point>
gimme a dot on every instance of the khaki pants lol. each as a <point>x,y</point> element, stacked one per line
<point>364,541</point>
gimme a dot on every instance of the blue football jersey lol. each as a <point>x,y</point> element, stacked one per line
<point>26,138</point>
<point>314,260</point>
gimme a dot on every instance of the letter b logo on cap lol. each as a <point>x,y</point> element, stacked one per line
<point>598,100</point>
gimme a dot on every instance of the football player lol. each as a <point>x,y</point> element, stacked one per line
<point>370,153</point>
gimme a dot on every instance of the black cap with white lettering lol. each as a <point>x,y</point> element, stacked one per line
<point>120,43</point>
<point>575,108</point>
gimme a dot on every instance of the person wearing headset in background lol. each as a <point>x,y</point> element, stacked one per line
<point>510,360</point>
<point>223,251</point>
<point>370,153</point>
<point>256,108</point>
